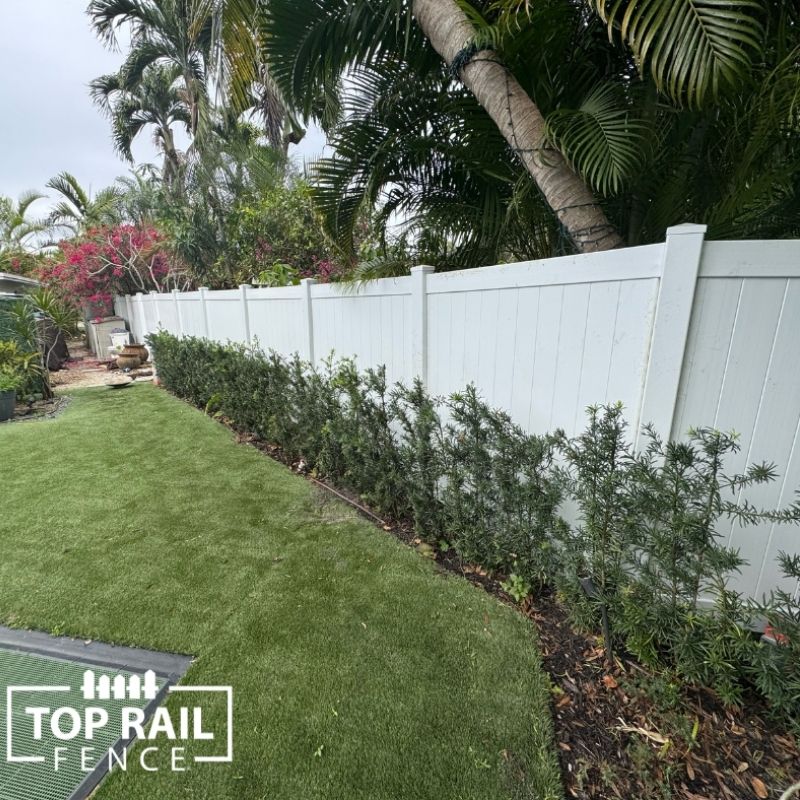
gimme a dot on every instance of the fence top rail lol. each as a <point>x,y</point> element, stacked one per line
<point>751,259</point>
<point>633,263</point>
<point>382,287</point>
<point>223,294</point>
<point>721,259</point>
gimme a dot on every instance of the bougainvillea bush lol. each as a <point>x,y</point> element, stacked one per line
<point>123,259</point>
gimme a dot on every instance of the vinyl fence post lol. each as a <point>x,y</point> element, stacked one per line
<point>178,317</point>
<point>245,312</point>
<point>419,322</point>
<point>156,306</point>
<point>129,312</point>
<point>204,311</point>
<point>141,317</point>
<point>680,268</point>
<point>307,304</point>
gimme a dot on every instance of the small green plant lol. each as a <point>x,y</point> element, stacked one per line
<point>595,552</point>
<point>776,667</point>
<point>10,381</point>
<point>278,275</point>
<point>516,586</point>
<point>25,364</point>
<point>213,404</point>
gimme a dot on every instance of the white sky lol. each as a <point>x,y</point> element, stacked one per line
<point>48,123</point>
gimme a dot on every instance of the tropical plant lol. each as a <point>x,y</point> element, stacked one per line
<point>61,313</point>
<point>176,34</point>
<point>9,381</point>
<point>124,259</point>
<point>20,365</point>
<point>157,99</point>
<point>78,211</point>
<point>24,353</point>
<point>230,170</point>
<point>277,236</point>
<point>18,231</point>
<point>242,70</point>
<point>662,122</point>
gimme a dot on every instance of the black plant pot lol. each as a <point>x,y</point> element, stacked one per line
<point>8,401</point>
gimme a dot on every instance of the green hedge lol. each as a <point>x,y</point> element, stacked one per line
<point>646,549</point>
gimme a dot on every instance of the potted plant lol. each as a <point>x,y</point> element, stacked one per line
<point>9,383</point>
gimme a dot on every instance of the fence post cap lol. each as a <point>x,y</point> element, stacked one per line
<point>686,228</point>
<point>245,286</point>
<point>307,281</point>
<point>422,268</point>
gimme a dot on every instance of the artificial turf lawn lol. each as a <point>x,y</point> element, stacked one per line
<point>358,669</point>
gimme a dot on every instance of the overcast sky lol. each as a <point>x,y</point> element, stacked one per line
<point>48,124</point>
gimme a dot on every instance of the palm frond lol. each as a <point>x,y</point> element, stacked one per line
<point>68,187</point>
<point>602,138</point>
<point>692,48</point>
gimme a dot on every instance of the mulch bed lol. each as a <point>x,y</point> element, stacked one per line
<point>616,741</point>
<point>41,409</point>
<point>617,736</point>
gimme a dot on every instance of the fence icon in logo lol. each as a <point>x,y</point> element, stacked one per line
<point>119,687</point>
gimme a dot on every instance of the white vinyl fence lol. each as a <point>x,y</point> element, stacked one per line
<point>685,333</point>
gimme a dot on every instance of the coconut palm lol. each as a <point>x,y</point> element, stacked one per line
<point>78,211</point>
<point>176,33</point>
<point>157,100</point>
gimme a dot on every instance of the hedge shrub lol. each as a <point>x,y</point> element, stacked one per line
<point>647,546</point>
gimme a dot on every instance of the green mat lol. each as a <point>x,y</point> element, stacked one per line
<point>40,781</point>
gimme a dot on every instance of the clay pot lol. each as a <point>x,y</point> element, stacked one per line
<point>136,350</point>
<point>128,361</point>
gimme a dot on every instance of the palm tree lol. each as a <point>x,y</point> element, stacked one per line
<point>18,232</point>
<point>78,211</point>
<point>177,33</point>
<point>503,50</point>
<point>157,100</point>
<point>242,71</point>
<point>520,120</point>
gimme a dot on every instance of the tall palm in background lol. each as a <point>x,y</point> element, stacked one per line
<point>158,100</point>
<point>177,33</point>
<point>664,110</point>
<point>77,211</point>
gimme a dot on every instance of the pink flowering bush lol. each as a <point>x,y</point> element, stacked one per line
<point>123,259</point>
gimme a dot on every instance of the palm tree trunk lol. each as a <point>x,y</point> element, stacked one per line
<point>521,123</point>
<point>171,160</point>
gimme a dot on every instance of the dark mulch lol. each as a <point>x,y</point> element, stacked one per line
<point>620,737</point>
<point>624,731</point>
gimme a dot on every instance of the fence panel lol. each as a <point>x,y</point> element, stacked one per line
<point>684,334</point>
<point>275,318</point>
<point>742,372</point>
<point>190,313</point>
<point>371,324</point>
<point>551,340</point>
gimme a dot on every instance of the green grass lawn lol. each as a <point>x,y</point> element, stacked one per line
<point>359,670</point>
